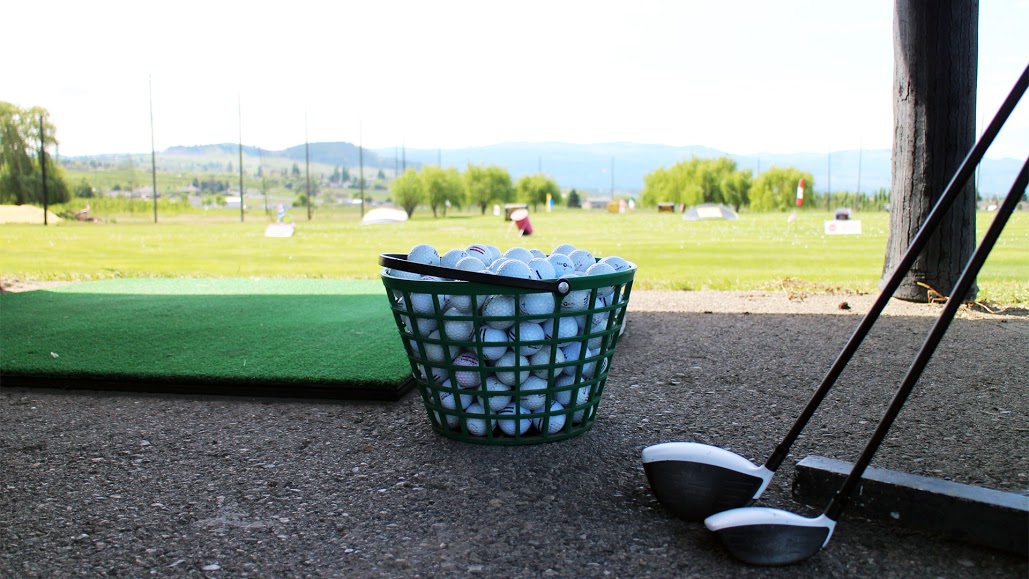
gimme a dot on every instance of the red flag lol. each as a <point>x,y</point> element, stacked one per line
<point>800,193</point>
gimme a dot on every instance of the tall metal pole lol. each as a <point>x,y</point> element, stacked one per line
<point>153,153</point>
<point>42,166</point>
<point>239,110</point>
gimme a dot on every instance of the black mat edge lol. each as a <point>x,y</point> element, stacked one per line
<point>308,390</point>
<point>953,510</point>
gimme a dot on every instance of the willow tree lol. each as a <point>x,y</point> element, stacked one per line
<point>935,47</point>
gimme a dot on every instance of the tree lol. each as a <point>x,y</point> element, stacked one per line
<point>21,175</point>
<point>935,52</point>
<point>407,191</point>
<point>698,181</point>
<point>573,199</point>
<point>533,190</point>
<point>485,185</point>
<point>776,188</point>
<point>441,186</point>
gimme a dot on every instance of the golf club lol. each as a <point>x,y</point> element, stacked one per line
<point>765,536</point>
<point>695,480</point>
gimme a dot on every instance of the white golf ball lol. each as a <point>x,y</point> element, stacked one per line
<point>495,266</point>
<point>542,358</point>
<point>450,258</point>
<point>562,264</point>
<point>425,303</point>
<point>480,252</point>
<point>534,393</point>
<point>434,375</point>
<point>542,268</point>
<point>556,419</point>
<point>563,249</point>
<point>434,352</point>
<point>504,368</point>
<point>536,253</point>
<point>616,262</point>
<point>495,250</point>
<point>418,326</point>
<point>582,259</point>
<point>582,396</point>
<point>563,389</point>
<point>510,422</point>
<point>575,301</point>
<point>477,426</point>
<point>497,339</point>
<point>537,304</point>
<point>467,378</point>
<point>449,401</point>
<point>566,328</point>
<point>519,254</point>
<point>572,352</point>
<point>501,394</point>
<point>457,330</point>
<point>423,253</point>
<point>526,332</point>
<point>401,274</point>
<point>499,306</point>
<point>515,268</point>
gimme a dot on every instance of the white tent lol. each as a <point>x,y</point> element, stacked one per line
<point>709,211</point>
<point>384,215</point>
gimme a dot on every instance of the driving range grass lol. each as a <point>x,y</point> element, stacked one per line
<point>755,252</point>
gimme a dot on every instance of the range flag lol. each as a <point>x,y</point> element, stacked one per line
<point>800,193</point>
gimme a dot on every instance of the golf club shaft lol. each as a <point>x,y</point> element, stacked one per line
<point>955,301</point>
<point>932,221</point>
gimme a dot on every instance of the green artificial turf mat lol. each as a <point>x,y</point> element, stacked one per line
<point>280,337</point>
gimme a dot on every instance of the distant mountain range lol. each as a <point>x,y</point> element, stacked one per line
<point>597,168</point>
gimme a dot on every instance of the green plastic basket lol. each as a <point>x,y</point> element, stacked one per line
<point>472,393</point>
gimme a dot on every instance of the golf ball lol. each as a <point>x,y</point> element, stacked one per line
<point>449,401</point>
<point>504,368</point>
<point>423,253</point>
<point>457,329</point>
<point>582,396</point>
<point>434,352</point>
<point>519,254</point>
<point>515,268</point>
<point>480,252</point>
<point>536,253</point>
<point>495,251</point>
<point>509,421</point>
<point>499,306</point>
<point>534,393</point>
<point>495,266</point>
<point>582,259</point>
<point>563,249</point>
<point>497,338</point>
<point>500,394</point>
<point>469,378</point>
<point>575,301</point>
<point>542,269</point>
<point>425,303</point>
<point>616,262</point>
<point>562,264</point>
<point>538,304</point>
<point>542,358</point>
<point>572,351</point>
<point>555,419</point>
<point>450,258</point>
<point>418,326</point>
<point>566,328</point>
<point>524,333</point>
<point>477,426</point>
<point>563,390</point>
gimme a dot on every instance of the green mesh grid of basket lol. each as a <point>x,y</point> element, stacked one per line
<point>485,371</point>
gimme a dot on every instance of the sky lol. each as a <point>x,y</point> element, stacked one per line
<point>745,77</point>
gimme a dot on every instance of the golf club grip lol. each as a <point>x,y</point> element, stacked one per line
<point>399,261</point>
<point>932,221</point>
<point>954,302</point>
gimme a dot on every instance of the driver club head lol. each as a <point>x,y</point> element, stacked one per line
<point>695,481</point>
<point>764,536</point>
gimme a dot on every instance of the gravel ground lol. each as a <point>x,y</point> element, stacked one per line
<point>122,484</point>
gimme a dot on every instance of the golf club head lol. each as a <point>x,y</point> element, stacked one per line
<point>763,536</point>
<point>695,481</point>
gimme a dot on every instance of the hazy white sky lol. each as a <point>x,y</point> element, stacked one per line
<point>741,76</point>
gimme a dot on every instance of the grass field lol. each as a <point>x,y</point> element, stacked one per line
<point>758,251</point>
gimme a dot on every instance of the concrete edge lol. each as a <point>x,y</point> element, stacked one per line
<point>956,511</point>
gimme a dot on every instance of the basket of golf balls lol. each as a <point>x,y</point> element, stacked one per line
<point>509,348</point>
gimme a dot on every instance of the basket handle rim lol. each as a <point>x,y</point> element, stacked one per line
<point>399,261</point>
